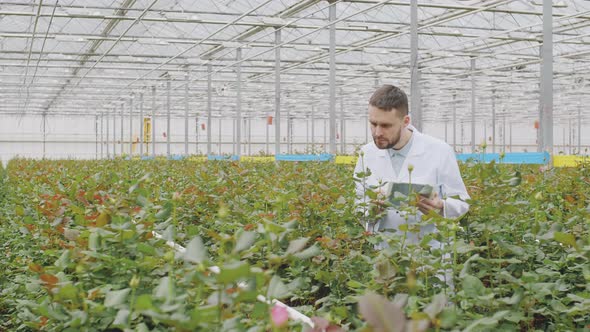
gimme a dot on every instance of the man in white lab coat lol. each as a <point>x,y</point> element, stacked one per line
<point>396,149</point>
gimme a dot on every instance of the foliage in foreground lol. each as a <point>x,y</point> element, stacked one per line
<point>81,255</point>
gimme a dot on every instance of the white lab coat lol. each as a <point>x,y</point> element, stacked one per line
<point>434,163</point>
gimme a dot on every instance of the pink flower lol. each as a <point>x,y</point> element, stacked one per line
<point>279,316</point>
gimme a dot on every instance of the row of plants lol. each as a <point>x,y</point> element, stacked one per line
<point>82,255</point>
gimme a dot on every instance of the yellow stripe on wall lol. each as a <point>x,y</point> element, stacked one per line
<point>257,159</point>
<point>346,160</point>
<point>569,161</point>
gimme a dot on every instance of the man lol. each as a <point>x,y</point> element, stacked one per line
<point>401,154</point>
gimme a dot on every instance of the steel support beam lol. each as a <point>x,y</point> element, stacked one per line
<point>473,105</point>
<point>332,78</point>
<point>141,125</point>
<point>277,120</point>
<point>493,120</point>
<point>547,78</point>
<point>168,106</point>
<point>187,80</point>
<point>209,96</point>
<point>239,101</point>
<point>131,125</point>
<point>415,103</point>
<point>154,121</point>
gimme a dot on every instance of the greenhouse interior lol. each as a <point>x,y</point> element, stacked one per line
<point>215,165</point>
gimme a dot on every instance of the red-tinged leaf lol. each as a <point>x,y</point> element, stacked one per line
<point>49,279</point>
<point>103,219</point>
<point>35,268</point>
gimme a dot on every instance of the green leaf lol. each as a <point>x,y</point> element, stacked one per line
<point>436,306</point>
<point>195,251</point>
<point>165,289</point>
<point>146,249</point>
<point>205,314</point>
<point>64,260</point>
<point>309,252</point>
<point>144,302</point>
<point>68,292</point>
<point>566,238</point>
<point>245,240</point>
<point>354,284</point>
<point>233,272</point>
<point>382,314</point>
<point>121,318</point>
<point>296,246</point>
<point>165,212</point>
<point>93,241</point>
<point>117,297</point>
<point>277,289</point>
<point>473,287</point>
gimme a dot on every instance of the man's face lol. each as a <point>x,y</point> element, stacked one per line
<point>386,127</point>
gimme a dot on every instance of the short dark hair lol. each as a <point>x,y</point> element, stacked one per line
<point>389,97</point>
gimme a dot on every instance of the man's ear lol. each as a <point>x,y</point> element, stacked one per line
<point>406,120</point>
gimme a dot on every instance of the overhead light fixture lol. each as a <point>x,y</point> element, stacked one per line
<point>273,21</point>
<point>70,38</point>
<point>306,47</point>
<point>375,50</point>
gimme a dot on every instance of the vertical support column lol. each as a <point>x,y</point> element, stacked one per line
<point>107,137</point>
<point>249,136</point>
<point>114,132</point>
<point>473,105</point>
<point>455,121</point>
<point>238,102</point>
<point>96,136</point>
<point>101,135</point>
<point>121,137</point>
<point>267,139</point>
<point>510,137</point>
<point>415,103</point>
<point>209,93</point>
<point>277,92</point>
<point>44,125</point>
<point>197,135</point>
<point>564,142</point>
<point>342,133</point>
<point>446,130</point>
<point>504,132</point>
<point>219,134</point>
<point>168,105</point>
<point>313,128</point>
<point>547,78</point>
<point>141,125</point>
<point>233,138</point>
<point>186,78</point>
<point>485,131</point>
<point>154,121</point>
<point>332,78</point>
<point>493,120</point>
<point>325,134</point>
<point>579,129</point>
<point>570,136</point>
<point>307,134</point>
<point>238,150</point>
<point>131,125</point>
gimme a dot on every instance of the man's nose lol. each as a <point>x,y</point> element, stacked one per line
<point>378,131</point>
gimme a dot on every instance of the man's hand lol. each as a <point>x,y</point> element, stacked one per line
<point>426,205</point>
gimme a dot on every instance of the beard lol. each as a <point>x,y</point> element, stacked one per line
<point>384,143</point>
